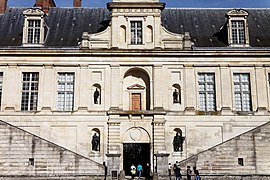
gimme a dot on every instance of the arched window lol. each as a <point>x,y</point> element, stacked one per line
<point>123,34</point>
<point>149,33</point>
<point>95,141</point>
<point>178,140</point>
<point>96,94</point>
<point>176,94</point>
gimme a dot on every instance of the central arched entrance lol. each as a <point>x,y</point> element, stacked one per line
<point>136,150</point>
<point>136,153</point>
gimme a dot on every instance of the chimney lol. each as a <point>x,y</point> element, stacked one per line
<point>77,3</point>
<point>45,4</point>
<point>3,6</point>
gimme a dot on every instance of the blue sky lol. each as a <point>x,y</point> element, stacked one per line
<point>169,3</point>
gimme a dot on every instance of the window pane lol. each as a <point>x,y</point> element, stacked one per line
<point>136,32</point>
<point>33,31</point>
<point>29,91</point>
<point>206,92</point>
<point>65,90</point>
<point>238,32</point>
<point>242,92</point>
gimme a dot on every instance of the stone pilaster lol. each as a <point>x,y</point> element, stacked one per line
<point>159,134</point>
<point>46,78</point>
<point>157,85</point>
<point>261,89</point>
<point>84,95</point>
<point>115,87</point>
<point>190,92</point>
<point>113,135</point>
<point>11,89</point>
<point>226,90</point>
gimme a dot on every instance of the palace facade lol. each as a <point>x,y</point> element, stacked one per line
<point>156,85</point>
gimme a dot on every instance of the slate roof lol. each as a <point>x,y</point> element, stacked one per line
<point>64,26</point>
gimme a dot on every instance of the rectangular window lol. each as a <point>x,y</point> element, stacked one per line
<point>33,31</point>
<point>238,32</point>
<point>1,87</point>
<point>207,97</point>
<point>242,92</point>
<point>29,91</point>
<point>65,91</point>
<point>136,32</point>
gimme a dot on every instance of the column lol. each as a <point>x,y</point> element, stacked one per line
<point>160,154</point>
<point>261,89</point>
<point>114,153</point>
<point>158,85</point>
<point>11,97</point>
<point>190,90</point>
<point>84,98</point>
<point>226,90</point>
<point>115,86</point>
<point>47,88</point>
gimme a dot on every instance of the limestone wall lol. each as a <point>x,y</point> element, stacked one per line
<point>27,155</point>
<point>252,148</point>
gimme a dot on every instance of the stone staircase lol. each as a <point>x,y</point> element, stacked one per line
<point>247,154</point>
<point>26,155</point>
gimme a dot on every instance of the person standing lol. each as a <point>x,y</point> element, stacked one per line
<point>189,172</point>
<point>177,172</point>
<point>133,171</point>
<point>139,169</point>
<point>105,169</point>
<point>170,170</point>
<point>197,175</point>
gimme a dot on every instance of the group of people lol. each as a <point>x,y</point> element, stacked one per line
<point>135,170</point>
<point>177,172</point>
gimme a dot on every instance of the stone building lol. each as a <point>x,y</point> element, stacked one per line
<point>133,83</point>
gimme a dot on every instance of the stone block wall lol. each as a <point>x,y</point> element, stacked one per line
<point>26,155</point>
<point>246,154</point>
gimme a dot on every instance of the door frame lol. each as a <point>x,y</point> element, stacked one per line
<point>143,159</point>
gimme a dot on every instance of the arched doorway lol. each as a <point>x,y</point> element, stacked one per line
<point>136,88</point>
<point>136,150</point>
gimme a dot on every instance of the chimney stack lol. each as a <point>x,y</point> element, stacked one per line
<point>77,3</point>
<point>45,4</point>
<point>3,6</point>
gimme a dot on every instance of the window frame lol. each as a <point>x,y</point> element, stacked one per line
<point>207,92</point>
<point>242,92</point>
<point>238,15</point>
<point>33,37</point>
<point>134,39</point>
<point>29,96</point>
<point>238,32</point>
<point>66,105</point>
<point>31,15</point>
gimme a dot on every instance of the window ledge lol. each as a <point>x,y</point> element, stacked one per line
<point>33,45</point>
<point>209,113</point>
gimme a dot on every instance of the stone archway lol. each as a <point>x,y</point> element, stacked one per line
<point>136,149</point>
<point>136,83</point>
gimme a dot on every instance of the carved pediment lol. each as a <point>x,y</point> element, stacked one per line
<point>237,12</point>
<point>136,87</point>
<point>33,12</point>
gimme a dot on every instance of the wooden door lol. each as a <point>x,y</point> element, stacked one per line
<point>136,101</point>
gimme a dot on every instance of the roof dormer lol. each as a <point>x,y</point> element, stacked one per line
<point>33,29</point>
<point>238,33</point>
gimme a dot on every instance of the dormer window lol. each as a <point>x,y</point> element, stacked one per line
<point>238,32</point>
<point>33,31</point>
<point>136,32</point>
<point>238,35</point>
